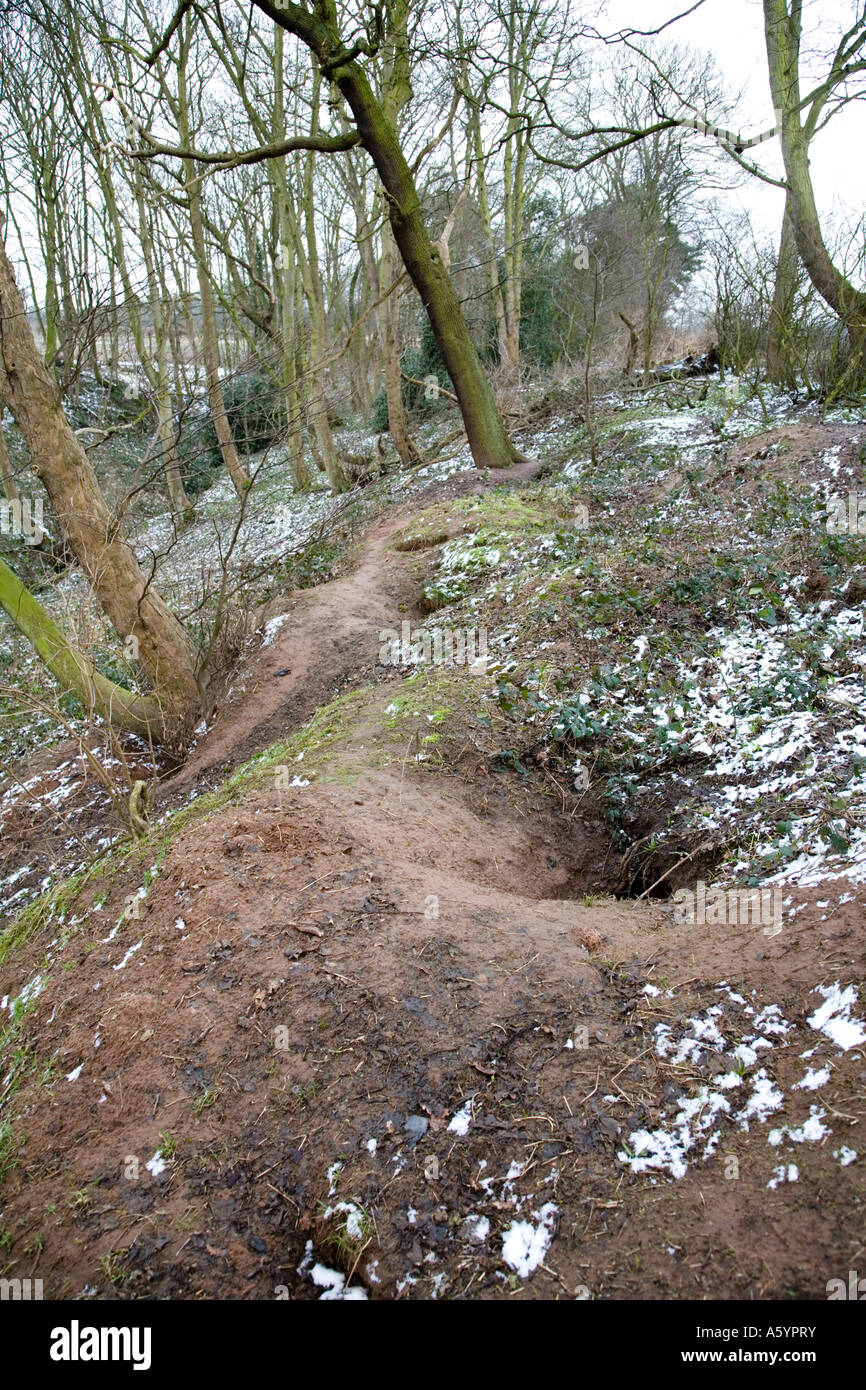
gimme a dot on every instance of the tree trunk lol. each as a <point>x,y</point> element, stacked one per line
<point>492,260</point>
<point>633,344</point>
<point>387,314</point>
<point>210,349</point>
<point>291,388</point>
<point>653,280</point>
<point>485,431</point>
<point>514,170</point>
<point>181,506</point>
<point>782,32</point>
<point>161,313</point>
<point>137,611</point>
<point>315,302</point>
<point>285,276</point>
<point>209,340</point>
<point>134,714</point>
<point>156,374</point>
<point>780,368</point>
<point>379,276</point>
<point>7,477</point>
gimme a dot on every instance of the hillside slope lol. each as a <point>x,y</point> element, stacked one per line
<point>395,1001</point>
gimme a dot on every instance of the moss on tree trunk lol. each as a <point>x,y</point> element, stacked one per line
<point>137,714</point>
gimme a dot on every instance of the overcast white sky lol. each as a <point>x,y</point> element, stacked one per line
<point>733,31</point>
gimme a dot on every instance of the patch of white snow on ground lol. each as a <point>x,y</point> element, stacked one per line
<point>128,957</point>
<point>525,1245</point>
<point>461,1121</point>
<point>833,1018</point>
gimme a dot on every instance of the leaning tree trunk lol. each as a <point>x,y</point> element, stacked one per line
<point>485,431</point>
<point>158,640</point>
<point>782,32</point>
<point>122,709</point>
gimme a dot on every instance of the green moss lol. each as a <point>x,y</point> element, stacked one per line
<point>52,905</point>
<point>17,1061</point>
<point>430,703</point>
<point>10,1142</point>
<point>533,509</point>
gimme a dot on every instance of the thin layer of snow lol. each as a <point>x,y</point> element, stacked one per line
<point>121,965</point>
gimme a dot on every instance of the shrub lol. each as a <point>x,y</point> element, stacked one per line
<point>253,410</point>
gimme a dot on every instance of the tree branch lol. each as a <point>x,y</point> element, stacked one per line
<point>167,37</point>
<point>230,159</point>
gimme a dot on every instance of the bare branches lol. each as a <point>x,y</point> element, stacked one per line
<point>440,134</point>
<point>177,20</point>
<point>624,34</point>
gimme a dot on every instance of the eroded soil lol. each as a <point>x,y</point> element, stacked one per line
<point>383,1023</point>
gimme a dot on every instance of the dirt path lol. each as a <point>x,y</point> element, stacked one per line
<point>325,637</point>
<point>328,636</point>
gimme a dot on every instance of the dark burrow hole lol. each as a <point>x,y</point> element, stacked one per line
<point>584,860</point>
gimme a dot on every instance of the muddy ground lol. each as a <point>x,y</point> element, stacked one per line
<point>379,1030</point>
